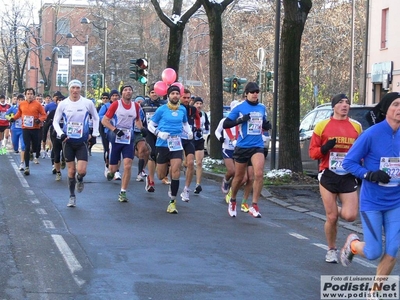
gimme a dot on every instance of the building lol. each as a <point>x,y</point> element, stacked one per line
<point>383,56</point>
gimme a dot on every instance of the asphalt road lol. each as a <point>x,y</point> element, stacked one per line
<point>103,249</point>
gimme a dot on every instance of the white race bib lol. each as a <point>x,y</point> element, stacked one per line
<point>28,121</point>
<point>74,130</point>
<point>174,143</point>
<point>125,139</point>
<point>335,162</point>
<point>391,165</point>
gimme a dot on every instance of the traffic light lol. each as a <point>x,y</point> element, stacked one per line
<point>227,84</point>
<point>240,88</point>
<point>139,70</point>
<point>95,81</point>
<point>235,85</point>
<point>100,80</point>
<point>269,76</point>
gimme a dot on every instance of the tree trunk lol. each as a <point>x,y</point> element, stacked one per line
<point>289,94</point>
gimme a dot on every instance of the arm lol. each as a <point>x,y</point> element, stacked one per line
<point>218,131</point>
<point>42,113</point>
<point>95,119</point>
<point>57,119</point>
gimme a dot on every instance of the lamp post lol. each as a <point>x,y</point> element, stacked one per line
<point>87,21</point>
<point>86,42</point>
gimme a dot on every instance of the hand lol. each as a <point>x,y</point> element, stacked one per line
<point>378,176</point>
<point>190,135</point>
<point>199,133</point>
<point>266,125</point>
<point>328,146</point>
<point>12,120</point>
<point>63,137</point>
<point>163,135</point>
<point>37,121</point>
<point>222,140</point>
<point>119,132</point>
<point>243,119</point>
<point>143,130</point>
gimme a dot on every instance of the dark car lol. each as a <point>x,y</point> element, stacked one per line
<point>321,112</point>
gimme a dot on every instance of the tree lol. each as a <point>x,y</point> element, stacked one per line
<point>295,16</point>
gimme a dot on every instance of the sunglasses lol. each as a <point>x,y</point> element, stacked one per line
<point>257,92</point>
<point>104,97</point>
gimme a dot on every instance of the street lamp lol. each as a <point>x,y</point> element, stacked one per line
<point>86,42</point>
<point>85,20</point>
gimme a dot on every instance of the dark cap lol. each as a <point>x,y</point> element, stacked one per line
<point>387,101</point>
<point>125,86</point>
<point>113,92</point>
<point>251,87</point>
<point>105,94</point>
<point>20,96</point>
<point>2,97</point>
<point>58,94</point>
<point>335,99</point>
<point>173,88</point>
<point>198,99</point>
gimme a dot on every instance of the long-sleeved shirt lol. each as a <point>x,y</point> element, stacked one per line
<point>29,111</point>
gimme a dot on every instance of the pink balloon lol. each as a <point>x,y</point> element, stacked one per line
<point>160,87</point>
<point>168,75</point>
<point>181,87</point>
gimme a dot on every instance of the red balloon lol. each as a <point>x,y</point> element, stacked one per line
<point>168,75</point>
<point>160,87</point>
<point>181,87</point>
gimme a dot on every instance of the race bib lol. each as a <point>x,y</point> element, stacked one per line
<point>3,115</point>
<point>174,143</point>
<point>391,165</point>
<point>335,162</point>
<point>125,139</point>
<point>254,125</point>
<point>18,123</point>
<point>74,130</point>
<point>28,121</point>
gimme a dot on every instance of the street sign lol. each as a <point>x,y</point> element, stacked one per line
<point>193,83</point>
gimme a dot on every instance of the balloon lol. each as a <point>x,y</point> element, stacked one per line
<point>181,87</point>
<point>168,75</point>
<point>160,87</point>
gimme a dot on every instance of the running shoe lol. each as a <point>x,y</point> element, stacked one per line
<point>79,185</point>
<point>166,181</point>
<point>53,170</point>
<point>331,256</point>
<point>58,176</point>
<point>27,172</point>
<point>71,202</point>
<point>225,186</point>
<point>172,207</point>
<point>149,187</point>
<point>228,196</point>
<point>253,210</point>
<point>185,195</point>
<point>43,154</point>
<point>36,161</point>
<point>244,207</point>
<point>110,176</point>
<point>346,256</point>
<point>117,176</point>
<point>198,189</point>
<point>232,208</point>
<point>122,197</point>
<point>21,166</point>
<point>141,176</point>
<point>63,164</point>
<point>3,150</point>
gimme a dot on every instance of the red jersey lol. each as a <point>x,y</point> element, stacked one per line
<point>3,109</point>
<point>344,131</point>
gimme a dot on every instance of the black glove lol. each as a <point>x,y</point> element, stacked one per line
<point>222,139</point>
<point>378,176</point>
<point>63,137</point>
<point>328,146</point>
<point>266,125</point>
<point>243,119</point>
<point>199,134</point>
<point>119,132</point>
<point>37,121</point>
<point>12,120</point>
<point>143,131</point>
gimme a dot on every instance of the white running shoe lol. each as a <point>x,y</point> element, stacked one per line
<point>117,175</point>
<point>71,202</point>
<point>141,177</point>
<point>36,161</point>
<point>43,154</point>
<point>232,208</point>
<point>21,166</point>
<point>185,195</point>
<point>58,176</point>
<point>253,210</point>
<point>331,256</point>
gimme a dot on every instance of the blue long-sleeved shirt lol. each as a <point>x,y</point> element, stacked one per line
<point>376,142</point>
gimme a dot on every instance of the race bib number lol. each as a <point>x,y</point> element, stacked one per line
<point>174,143</point>
<point>335,162</point>
<point>125,139</point>
<point>74,130</point>
<point>254,125</point>
<point>391,165</point>
<point>28,121</point>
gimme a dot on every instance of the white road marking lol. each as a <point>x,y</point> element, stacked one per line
<point>48,224</point>
<point>41,211</point>
<point>21,178</point>
<point>298,236</point>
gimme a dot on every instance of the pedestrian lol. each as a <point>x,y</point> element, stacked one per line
<point>32,114</point>
<point>375,158</point>
<point>250,115</point>
<point>188,144</point>
<point>121,135</point>
<point>168,123</point>
<point>331,140</point>
<point>4,124</point>
<point>74,111</point>
<point>199,142</point>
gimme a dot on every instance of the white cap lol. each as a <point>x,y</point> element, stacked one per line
<point>74,82</point>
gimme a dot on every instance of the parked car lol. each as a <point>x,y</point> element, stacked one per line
<point>321,112</point>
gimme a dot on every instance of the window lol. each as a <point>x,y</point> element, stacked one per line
<point>385,19</point>
<point>62,79</point>
<point>63,26</point>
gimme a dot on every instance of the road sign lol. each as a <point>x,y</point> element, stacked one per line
<point>193,83</point>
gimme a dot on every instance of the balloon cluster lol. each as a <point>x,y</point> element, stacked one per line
<point>168,78</point>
